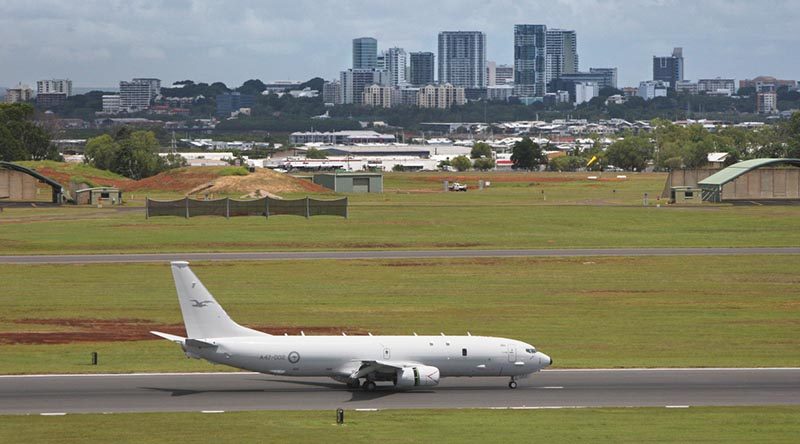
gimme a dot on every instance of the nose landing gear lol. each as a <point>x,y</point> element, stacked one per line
<point>512,384</point>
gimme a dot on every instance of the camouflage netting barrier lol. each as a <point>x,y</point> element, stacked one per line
<point>265,207</point>
<point>166,208</point>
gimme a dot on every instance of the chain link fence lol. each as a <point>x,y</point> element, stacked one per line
<point>264,207</point>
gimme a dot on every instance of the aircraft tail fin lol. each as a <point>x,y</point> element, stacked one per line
<point>202,315</point>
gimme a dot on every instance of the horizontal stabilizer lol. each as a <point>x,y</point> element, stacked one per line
<point>169,337</point>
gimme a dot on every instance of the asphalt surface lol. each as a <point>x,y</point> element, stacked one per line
<point>252,391</point>
<point>389,254</point>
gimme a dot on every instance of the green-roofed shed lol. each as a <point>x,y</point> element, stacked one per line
<point>774,183</point>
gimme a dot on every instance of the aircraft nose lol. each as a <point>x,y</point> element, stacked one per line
<point>545,360</point>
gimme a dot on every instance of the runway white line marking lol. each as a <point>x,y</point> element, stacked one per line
<point>212,411</point>
<point>676,406</point>
<point>553,387</point>
<point>53,414</point>
<point>366,410</point>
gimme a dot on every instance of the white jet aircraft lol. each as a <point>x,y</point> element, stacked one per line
<point>406,361</point>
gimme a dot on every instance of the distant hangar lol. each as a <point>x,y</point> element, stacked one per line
<point>755,179</point>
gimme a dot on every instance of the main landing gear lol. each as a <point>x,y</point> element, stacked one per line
<point>512,384</point>
<point>369,386</point>
<point>354,384</point>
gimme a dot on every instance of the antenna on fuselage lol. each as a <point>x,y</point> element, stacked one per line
<point>469,334</point>
<point>369,333</point>
<point>415,333</point>
<point>286,334</point>
<point>302,333</point>
<point>344,334</point>
<point>441,333</point>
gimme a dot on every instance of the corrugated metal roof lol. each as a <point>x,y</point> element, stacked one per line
<point>726,175</point>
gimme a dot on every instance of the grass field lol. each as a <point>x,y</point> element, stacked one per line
<point>585,312</point>
<point>707,424</point>
<point>414,214</point>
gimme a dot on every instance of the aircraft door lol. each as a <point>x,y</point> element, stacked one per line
<point>387,354</point>
<point>512,354</point>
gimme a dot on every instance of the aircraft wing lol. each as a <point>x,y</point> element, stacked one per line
<point>372,366</point>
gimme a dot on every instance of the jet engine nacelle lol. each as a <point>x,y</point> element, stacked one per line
<point>417,376</point>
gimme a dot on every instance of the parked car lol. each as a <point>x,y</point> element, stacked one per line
<point>455,186</point>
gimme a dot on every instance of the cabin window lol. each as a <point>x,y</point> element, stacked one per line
<point>463,352</point>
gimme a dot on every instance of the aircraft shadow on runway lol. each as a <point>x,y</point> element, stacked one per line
<point>357,394</point>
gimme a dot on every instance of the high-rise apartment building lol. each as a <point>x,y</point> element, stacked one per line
<point>561,54</point>
<point>530,52</point>
<point>767,102</point>
<point>54,86</point>
<point>354,81</point>
<point>421,68</point>
<point>609,76</point>
<point>135,96</point>
<point>378,95</point>
<point>153,84</point>
<point>396,64</point>
<point>669,69</point>
<point>462,58</point>
<point>332,92</point>
<point>504,75</point>
<point>440,96</point>
<point>365,53</point>
<point>112,104</point>
<point>21,93</point>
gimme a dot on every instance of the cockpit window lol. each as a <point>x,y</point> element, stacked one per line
<point>530,350</point>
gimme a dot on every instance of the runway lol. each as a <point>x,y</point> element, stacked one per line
<point>253,391</point>
<point>389,254</point>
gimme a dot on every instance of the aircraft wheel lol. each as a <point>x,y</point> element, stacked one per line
<point>512,384</point>
<point>369,386</point>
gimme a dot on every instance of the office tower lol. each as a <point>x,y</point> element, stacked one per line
<point>354,81</point>
<point>669,69</point>
<point>227,103</point>
<point>421,68</point>
<point>561,54</point>
<point>462,58</point>
<point>396,63</point>
<point>365,53</point>
<point>530,52</point>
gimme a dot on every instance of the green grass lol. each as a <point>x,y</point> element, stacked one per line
<point>733,311</point>
<point>232,171</point>
<point>635,425</point>
<point>518,211</point>
<point>73,169</point>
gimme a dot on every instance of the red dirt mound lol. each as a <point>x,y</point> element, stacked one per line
<point>112,330</point>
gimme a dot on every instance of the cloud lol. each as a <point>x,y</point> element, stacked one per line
<point>101,42</point>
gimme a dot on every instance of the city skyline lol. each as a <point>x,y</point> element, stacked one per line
<point>202,41</point>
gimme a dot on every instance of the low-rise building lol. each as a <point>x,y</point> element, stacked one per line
<point>650,89</point>
<point>718,86</point>
<point>340,137</point>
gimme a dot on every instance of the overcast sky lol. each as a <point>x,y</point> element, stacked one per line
<point>98,43</point>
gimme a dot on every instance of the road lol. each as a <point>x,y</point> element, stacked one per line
<point>390,254</point>
<point>252,391</point>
